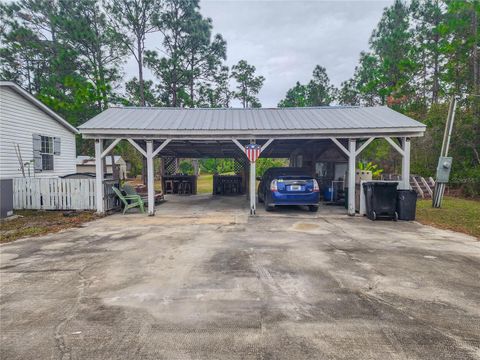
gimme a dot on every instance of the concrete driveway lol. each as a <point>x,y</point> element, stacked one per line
<point>201,280</point>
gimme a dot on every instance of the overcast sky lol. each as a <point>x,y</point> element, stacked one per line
<point>286,39</point>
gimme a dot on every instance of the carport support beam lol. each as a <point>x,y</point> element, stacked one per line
<point>99,176</point>
<point>406,163</point>
<point>253,178</point>
<point>150,179</point>
<point>352,154</point>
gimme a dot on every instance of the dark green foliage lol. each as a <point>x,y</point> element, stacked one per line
<point>186,167</point>
<point>133,94</point>
<point>249,84</point>
<point>263,164</point>
<point>133,19</point>
<point>318,92</point>
<point>217,166</point>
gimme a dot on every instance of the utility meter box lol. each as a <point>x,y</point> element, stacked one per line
<point>443,169</point>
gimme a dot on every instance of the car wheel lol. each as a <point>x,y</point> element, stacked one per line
<point>313,208</point>
<point>260,199</point>
<point>395,217</point>
<point>374,215</point>
<point>269,207</point>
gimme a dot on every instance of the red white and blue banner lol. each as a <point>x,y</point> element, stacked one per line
<point>253,152</point>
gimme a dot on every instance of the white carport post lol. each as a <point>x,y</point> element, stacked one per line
<point>351,152</point>
<point>404,150</point>
<point>252,183</point>
<point>99,176</point>
<point>406,163</point>
<point>352,147</point>
<point>150,155</point>
<point>150,179</point>
<point>253,178</point>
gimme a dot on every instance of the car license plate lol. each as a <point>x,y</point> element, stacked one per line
<point>295,187</point>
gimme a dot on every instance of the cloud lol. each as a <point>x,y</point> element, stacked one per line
<point>286,39</point>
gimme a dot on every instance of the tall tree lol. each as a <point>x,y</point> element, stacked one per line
<point>392,43</point>
<point>85,27</point>
<point>174,22</point>
<point>204,56</point>
<point>348,93</point>
<point>216,93</point>
<point>296,97</point>
<point>134,19</point>
<point>248,84</point>
<point>427,18</point>
<point>368,80</point>
<point>318,92</point>
<point>133,96</point>
<point>35,56</point>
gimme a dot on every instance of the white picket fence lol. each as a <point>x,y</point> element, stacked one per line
<point>54,194</point>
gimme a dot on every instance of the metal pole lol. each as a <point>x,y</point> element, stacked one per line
<point>440,187</point>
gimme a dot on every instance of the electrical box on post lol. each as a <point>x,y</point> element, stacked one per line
<point>443,169</point>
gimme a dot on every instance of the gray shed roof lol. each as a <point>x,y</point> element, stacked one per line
<point>281,122</point>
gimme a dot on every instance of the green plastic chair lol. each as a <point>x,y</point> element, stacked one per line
<point>130,201</point>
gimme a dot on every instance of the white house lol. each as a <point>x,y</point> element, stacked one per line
<point>33,135</point>
<point>86,164</point>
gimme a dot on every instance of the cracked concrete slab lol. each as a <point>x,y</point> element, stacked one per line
<point>202,280</point>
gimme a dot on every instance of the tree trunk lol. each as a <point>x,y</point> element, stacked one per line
<point>140,71</point>
<point>475,59</point>
<point>174,94</point>
<point>192,81</point>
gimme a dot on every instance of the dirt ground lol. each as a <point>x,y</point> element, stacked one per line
<point>202,280</point>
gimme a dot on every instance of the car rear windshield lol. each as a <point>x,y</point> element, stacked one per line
<point>294,177</point>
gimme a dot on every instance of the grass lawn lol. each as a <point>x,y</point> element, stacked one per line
<point>33,222</point>
<point>205,184</point>
<point>455,214</point>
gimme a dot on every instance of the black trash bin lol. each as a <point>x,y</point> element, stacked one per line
<point>381,200</point>
<point>406,204</point>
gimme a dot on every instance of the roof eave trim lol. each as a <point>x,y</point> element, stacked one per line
<point>199,134</point>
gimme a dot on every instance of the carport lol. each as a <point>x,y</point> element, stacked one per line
<point>296,133</point>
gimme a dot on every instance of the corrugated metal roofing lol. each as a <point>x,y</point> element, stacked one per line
<point>218,120</point>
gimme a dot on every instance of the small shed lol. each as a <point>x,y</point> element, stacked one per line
<point>86,164</point>
<point>34,140</point>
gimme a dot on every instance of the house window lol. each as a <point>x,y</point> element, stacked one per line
<point>47,153</point>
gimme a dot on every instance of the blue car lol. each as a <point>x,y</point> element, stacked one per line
<point>288,186</point>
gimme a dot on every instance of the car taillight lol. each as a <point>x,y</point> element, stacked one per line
<point>315,186</point>
<point>273,185</point>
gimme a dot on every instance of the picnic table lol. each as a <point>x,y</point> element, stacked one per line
<point>179,184</point>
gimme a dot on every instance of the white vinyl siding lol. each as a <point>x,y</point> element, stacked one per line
<point>20,120</point>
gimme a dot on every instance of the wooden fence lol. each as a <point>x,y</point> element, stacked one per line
<point>59,194</point>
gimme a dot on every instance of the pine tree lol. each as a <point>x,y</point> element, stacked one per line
<point>248,84</point>
<point>134,19</point>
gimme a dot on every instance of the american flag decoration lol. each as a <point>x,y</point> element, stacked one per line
<point>253,151</point>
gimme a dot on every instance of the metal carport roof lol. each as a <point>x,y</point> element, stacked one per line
<point>181,132</point>
<point>326,121</point>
